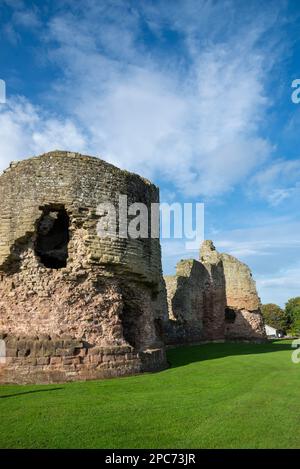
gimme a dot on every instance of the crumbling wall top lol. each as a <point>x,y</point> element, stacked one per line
<point>78,184</point>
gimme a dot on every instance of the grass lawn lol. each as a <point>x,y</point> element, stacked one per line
<point>212,396</point>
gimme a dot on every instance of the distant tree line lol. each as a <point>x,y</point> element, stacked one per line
<point>287,319</point>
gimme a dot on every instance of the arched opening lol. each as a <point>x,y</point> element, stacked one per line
<point>52,237</point>
<point>230,315</point>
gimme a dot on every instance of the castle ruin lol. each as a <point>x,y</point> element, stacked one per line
<point>213,298</point>
<point>75,305</point>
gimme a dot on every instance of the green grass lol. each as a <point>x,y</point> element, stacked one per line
<point>213,396</point>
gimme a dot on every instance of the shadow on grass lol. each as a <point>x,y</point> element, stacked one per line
<point>29,392</point>
<point>184,355</point>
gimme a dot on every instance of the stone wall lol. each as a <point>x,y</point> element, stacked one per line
<point>187,302</point>
<point>59,359</point>
<point>59,278</point>
<point>212,299</point>
<point>242,299</point>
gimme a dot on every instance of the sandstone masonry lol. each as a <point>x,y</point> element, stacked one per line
<point>77,306</point>
<point>212,299</point>
<point>74,305</point>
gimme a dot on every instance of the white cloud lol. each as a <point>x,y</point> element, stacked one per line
<point>278,181</point>
<point>281,286</point>
<point>22,16</point>
<point>25,128</point>
<point>195,125</point>
<point>284,279</point>
<point>26,18</point>
<point>191,119</point>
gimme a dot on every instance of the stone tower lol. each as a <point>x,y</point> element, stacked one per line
<point>74,305</point>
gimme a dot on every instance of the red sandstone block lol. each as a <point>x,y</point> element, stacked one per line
<point>70,367</point>
<point>55,360</point>
<point>31,361</point>
<point>96,359</point>
<point>82,352</point>
<point>120,360</point>
<point>65,352</point>
<point>43,360</point>
<point>80,367</point>
<point>71,374</point>
<point>93,366</point>
<point>95,351</point>
<point>85,359</point>
<point>108,358</point>
<point>71,360</point>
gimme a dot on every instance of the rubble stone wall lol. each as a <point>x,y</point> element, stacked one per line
<point>212,299</point>
<point>52,360</point>
<point>242,298</point>
<point>187,302</point>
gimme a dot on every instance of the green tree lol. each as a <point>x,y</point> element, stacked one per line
<point>275,316</point>
<point>292,310</point>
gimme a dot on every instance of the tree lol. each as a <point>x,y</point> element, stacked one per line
<point>275,316</point>
<point>292,310</point>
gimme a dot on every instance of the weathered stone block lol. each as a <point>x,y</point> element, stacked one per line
<point>71,360</point>
<point>23,352</point>
<point>43,360</point>
<point>55,360</point>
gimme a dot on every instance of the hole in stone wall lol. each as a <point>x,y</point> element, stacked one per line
<point>52,238</point>
<point>230,315</point>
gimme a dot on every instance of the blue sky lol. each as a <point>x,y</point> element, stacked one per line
<point>195,95</point>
